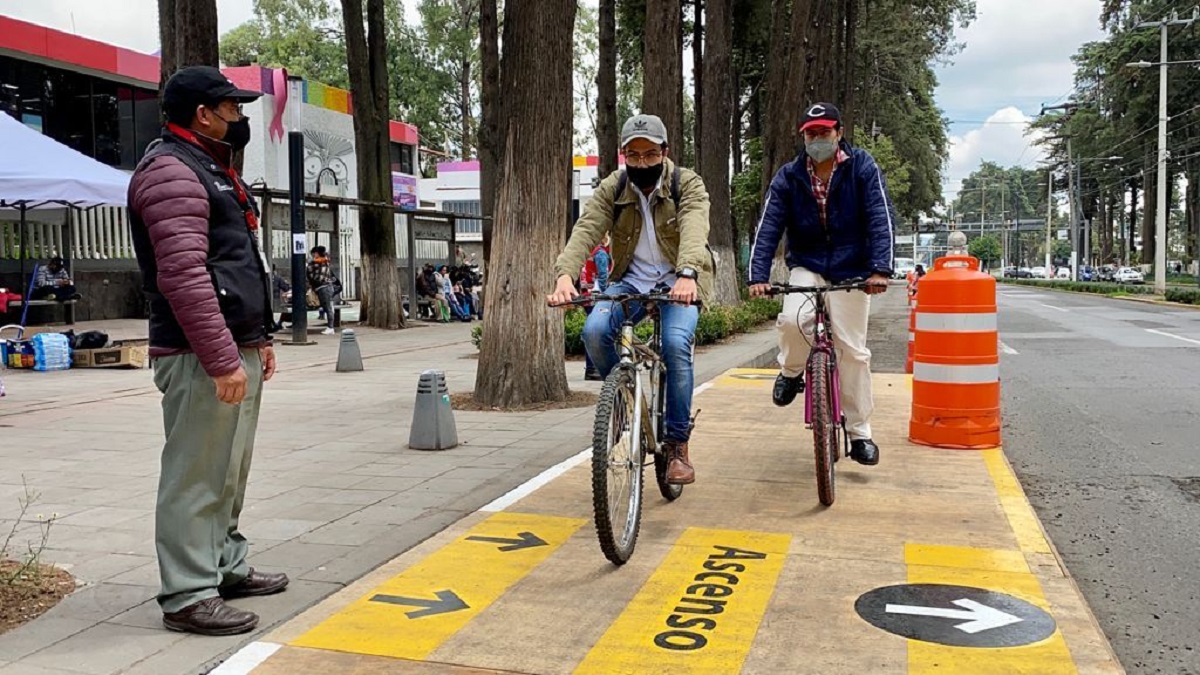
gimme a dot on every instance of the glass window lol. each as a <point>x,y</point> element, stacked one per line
<point>106,121</point>
<point>401,158</point>
<point>147,117</point>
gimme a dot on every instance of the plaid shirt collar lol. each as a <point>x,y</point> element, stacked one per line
<point>820,188</point>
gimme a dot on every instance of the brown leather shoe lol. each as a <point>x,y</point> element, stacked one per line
<point>211,617</point>
<point>256,583</point>
<point>679,470</point>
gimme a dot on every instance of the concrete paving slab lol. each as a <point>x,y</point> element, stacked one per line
<point>924,516</point>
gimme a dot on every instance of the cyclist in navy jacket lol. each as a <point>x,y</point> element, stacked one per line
<point>832,204</point>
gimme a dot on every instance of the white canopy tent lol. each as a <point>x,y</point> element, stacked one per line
<point>38,172</point>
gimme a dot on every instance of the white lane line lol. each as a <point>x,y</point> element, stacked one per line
<point>1057,309</point>
<point>530,486</point>
<point>247,659</point>
<point>1008,350</point>
<point>1159,332</point>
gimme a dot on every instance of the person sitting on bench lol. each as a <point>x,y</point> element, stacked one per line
<point>54,282</point>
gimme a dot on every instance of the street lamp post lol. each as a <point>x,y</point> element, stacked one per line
<point>299,244</point>
<point>1160,221</point>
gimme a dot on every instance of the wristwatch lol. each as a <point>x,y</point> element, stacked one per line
<point>687,273</point>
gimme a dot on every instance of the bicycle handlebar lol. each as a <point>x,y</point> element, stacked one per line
<point>581,300</point>
<point>851,285</point>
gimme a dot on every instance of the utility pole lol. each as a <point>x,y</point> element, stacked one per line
<point>1049,213</point>
<point>1160,223</point>
<point>1074,214</point>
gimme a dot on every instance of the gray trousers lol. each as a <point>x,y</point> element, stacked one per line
<point>205,463</point>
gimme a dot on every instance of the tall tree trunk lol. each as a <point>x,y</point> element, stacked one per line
<point>662,68</point>
<point>187,31</point>
<point>490,133</point>
<point>714,144</point>
<point>850,72</point>
<point>735,95</point>
<point>699,47</point>
<point>607,138</point>
<point>366,59</point>
<point>787,70</point>
<point>521,358</point>
<point>1106,230</point>
<point>464,97</point>
<point>1130,249</point>
<point>1149,212</point>
<point>1191,218</point>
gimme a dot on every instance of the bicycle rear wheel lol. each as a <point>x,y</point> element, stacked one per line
<point>825,428</point>
<point>617,468</point>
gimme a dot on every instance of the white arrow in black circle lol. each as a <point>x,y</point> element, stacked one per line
<point>976,616</point>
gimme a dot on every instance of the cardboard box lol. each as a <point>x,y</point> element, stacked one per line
<point>121,354</point>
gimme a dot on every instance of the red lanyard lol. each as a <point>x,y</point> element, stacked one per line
<point>242,197</point>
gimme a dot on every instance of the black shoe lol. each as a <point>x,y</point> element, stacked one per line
<point>864,451</point>
<point>592,375</point>
<point>786,389</point>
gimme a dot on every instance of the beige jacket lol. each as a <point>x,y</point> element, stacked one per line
<point>682,237</point>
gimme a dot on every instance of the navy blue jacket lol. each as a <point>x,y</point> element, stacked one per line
<point>859,238</point>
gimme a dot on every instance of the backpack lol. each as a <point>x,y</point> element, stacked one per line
<point>623,182</point>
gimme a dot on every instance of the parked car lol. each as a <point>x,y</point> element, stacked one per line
<point>1107,273</point>
<point>1010,272</point>
<point>1024,273</point>
<point>1087,273</point>
<point>901,267</point>
<point>1128,275</point>
<point>1063,273</point>
<point>1038,272</point>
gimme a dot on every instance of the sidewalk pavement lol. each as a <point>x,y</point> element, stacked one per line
<point>334,491</point>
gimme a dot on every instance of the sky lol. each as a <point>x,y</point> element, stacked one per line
<point>1017,57</point>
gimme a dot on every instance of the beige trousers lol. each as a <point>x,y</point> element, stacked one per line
<point>848,312</point>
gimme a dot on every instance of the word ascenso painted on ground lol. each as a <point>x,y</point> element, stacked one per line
<point>699,599</point>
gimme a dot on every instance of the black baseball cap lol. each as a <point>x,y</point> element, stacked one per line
<point>195,86</point>
<point>821,115</point>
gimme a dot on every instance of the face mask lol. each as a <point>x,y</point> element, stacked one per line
<point>237,134</point>
<point>645,177</point>
<point>821,149</point>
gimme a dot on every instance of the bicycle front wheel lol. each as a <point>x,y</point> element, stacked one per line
<point>825,428</point>
<point>617,468</point>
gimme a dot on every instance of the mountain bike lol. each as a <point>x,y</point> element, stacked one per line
<point>823,393</point>
<point>629,426</point>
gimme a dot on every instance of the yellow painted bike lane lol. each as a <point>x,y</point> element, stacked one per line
<point>931,562</point>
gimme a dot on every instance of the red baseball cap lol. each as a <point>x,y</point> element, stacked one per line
<point>821,115</point>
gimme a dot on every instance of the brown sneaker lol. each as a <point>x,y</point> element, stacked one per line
<point>211,617</point>
<point>679,468</point>
<point>256,583</point>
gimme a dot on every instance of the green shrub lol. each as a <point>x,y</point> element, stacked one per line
<point>715,324</point>
<point>1187,296</point>
<point>1097,287</point>
<point>573,330</point>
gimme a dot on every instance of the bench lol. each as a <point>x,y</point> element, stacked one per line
<point>67,305</point>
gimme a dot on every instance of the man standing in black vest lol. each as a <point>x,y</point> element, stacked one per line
<point>195,230</point>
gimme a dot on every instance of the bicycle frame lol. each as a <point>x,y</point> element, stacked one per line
<point>823,341</point>
<point>648,407</point>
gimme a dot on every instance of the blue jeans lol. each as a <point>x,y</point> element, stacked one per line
<point>603,327</point>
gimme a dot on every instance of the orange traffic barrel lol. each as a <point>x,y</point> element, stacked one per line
<point>912,334</point>
<point>956,361</point>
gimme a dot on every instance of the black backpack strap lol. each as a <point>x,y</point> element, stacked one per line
<point>622,183</point>
<point>675,187</point>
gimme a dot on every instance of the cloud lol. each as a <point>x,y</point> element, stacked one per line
<point>1018,52</point>
<point>1002,139</point>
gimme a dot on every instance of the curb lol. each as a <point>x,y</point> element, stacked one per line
<point>1131,298</point>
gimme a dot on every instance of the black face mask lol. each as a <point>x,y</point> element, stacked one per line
<point>645,177</point>
<point>237,134</point>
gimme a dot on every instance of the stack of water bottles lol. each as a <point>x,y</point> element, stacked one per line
<point>51,351</point>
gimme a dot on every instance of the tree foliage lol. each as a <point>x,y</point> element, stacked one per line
<point>987,248</point>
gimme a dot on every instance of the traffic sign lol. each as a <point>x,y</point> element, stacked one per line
<point>958,616</point>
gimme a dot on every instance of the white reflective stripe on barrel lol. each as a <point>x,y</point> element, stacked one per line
<point>956,322</point>
<point>912,337</point>
<point>944,374</point>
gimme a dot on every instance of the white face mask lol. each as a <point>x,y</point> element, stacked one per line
<point>820,149</point>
